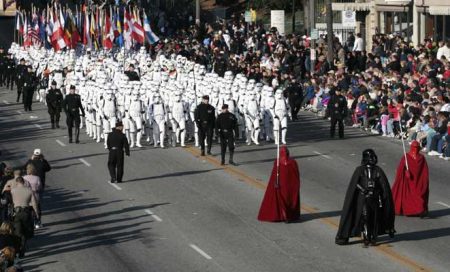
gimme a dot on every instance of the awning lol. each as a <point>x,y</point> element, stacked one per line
<point>352,6</point>
<point>439,10</point>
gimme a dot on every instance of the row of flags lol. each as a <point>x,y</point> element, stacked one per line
<point>96,28</point>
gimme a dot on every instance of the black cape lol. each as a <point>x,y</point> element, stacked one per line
<point>349,226</point>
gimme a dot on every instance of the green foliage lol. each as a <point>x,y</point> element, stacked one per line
<point>274,4</point>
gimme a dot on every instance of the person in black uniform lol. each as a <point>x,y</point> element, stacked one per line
<point>10,71</point>
<point>21,71</point>
<point>29,86</point>
<point>295,97</point>
<point>205,119</point>
<point>227,129</point>
<point>72,107</point>
<point>337,108</point>
<point>117,142</point>
<point>54,99</point>
<point>131,73</point>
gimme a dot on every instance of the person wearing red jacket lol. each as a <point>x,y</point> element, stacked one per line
<point>282,198</point>
<point>411,187</point>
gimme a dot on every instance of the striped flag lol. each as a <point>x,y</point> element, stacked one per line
<point>58,35</point>
<point>109,33</point>
<point>137,30</point>
<point>86,31</point>
<point>127,29</point>
<point>149,35</point>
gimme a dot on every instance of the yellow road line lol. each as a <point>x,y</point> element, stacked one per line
<point>384,249</point>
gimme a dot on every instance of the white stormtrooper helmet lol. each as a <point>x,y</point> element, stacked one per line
<point>279,94</point>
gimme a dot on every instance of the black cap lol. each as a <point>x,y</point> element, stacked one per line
<point>22,59</point>
<point>53,83</point>
<point>205,97</point>
<point>72,87</point>
<point>119,124</point>
<point>224,106</point>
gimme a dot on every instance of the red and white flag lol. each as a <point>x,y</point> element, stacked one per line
<point>58,35</point>
<point>109,33</point>
<point>127,29</point>
<point>138,31</point>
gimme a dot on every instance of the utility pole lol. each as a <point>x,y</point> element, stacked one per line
<point>312,25</point>
<point>330,35</point>
<point>293,16</point>
<point>197,12</point>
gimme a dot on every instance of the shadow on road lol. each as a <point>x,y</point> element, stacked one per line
<point>80,227</point>
<point>175,174</point>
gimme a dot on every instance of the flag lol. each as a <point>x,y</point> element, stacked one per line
<point>119,30</point>
<point>108,38</point>
<point>86,31</point>
<point>149,35</point>
<point>26,40</point>
<point>49,26</point>
<point>58,34</point>
<point>33,30</point>
<point>19,25</point>
<point>127,29</point>
<point>137,30</point>
<point>71,32</point>
<point>93,30</point>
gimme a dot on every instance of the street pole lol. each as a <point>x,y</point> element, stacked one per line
<point>293,16</point>
<point>330,35</point>
<point>197,12</point>
<point>312,25</point>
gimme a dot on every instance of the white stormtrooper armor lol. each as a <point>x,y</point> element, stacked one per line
<point>135,111</point>
<point>109,113</point>
<point>252,119</point>
<point>267,102</point>
<point>98,113</point>
<point>280,114</point>
<point>157,113</point>
<point>178,116</point>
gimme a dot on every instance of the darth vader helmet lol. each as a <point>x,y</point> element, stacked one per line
<point>369,157</point>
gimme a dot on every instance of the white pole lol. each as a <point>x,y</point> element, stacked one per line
<point>403,143</point>
<point>277,184</point>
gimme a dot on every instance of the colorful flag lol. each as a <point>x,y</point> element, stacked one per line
<point>86,31</point>
<point>149,35</point>
<point>58,35</point>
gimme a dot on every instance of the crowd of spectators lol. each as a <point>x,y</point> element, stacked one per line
<point>395,89</point>
<point>21,189</point>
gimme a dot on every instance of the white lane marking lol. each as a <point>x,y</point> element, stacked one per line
<point>38,126</point>
<point>19,112</point>
<point>149,212</point>
<point>85,162</point>
<point>33,117</point>
<point>443,204</point>
<point>60,143</point>
<point>322,155</point>
<point>6,102</point>
<point>115,186</point>
<point>200,251</point>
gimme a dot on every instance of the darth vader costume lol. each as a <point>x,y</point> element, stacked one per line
<point>368,206</point>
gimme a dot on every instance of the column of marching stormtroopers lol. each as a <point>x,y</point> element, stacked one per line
<point>162,104</point>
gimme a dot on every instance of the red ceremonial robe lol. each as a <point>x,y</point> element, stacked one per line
<point>282,202</point>
<point>410,190</point>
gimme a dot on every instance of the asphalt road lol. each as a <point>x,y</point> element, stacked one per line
<point>176,211</point>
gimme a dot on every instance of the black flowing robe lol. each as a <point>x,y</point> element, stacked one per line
<point>350,224</point>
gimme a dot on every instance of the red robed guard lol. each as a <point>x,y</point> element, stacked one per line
<point>411,186</point>
<point>282,198</point>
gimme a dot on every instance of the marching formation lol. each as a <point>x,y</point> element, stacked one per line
<point>155,99</point>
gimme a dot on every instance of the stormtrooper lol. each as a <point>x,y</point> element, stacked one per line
<point>109,113</point>
<point>267,102</point>
<point>178,116</point>
<point>135,111</point>
<point>280,114</point>
<point>157,115</point>
<point>252,118</point>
